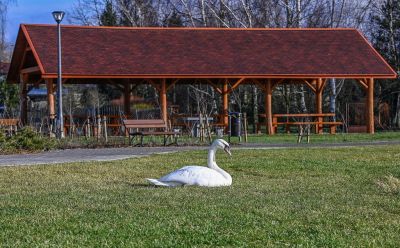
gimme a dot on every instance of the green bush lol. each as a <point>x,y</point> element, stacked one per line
<point>26,139</point>
<point>2,137</point>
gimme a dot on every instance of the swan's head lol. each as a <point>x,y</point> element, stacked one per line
<point>220,143</point>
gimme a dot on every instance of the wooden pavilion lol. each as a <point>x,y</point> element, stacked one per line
<point>223,58</point>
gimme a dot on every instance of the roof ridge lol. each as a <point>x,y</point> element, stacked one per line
<point>191,28</point>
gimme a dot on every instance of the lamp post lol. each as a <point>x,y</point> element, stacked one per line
<point>58,16</point>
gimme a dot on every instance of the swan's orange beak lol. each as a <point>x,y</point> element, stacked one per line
<point>227,149</point>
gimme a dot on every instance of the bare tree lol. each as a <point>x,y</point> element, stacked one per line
<point>87,12</point>
<point>4,45</point>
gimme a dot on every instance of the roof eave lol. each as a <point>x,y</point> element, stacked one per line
<point>298,76</point>
<point>35,54</point>
<point>11,77</point>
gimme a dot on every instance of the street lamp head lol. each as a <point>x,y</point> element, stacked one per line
<point>58,16</point>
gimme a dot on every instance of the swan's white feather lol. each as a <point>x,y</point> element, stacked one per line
<point>157,182</point>
<point>195,175</point>
<point>211,176</point>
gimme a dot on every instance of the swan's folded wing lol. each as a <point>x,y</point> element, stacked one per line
<point>192,175</point>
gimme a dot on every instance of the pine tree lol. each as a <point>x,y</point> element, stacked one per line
<point>109,16</point>
<point>174,20</point>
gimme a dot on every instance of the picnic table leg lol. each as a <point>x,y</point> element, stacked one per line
<point>176,139</point>
<point>275,127</point>
<point>287,128</point>
<point>333,129</point>
<point>300,135</point>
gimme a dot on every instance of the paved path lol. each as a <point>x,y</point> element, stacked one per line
<point>109,154</point>
<point>84,155</point>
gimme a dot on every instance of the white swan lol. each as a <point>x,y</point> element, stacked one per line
<point>211,176</point>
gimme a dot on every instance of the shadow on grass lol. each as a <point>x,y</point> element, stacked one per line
<point>133,185</point>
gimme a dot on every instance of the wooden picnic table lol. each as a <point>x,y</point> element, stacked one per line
<point>306,119</point>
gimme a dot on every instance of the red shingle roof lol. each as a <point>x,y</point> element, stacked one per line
<point>181,52</point>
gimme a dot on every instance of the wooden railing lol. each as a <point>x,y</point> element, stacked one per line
<point>89,124</point>
<point>10,125</point>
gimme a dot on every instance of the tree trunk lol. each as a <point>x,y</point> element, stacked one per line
<point>303,105</point>
<point>332,100</point>
<point>396,120</point>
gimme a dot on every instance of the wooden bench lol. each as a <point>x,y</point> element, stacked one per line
<point>151,126</point>
<point>10,125</point>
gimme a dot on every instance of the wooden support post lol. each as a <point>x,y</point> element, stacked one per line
<point>163,100</point>
<point>50,98</point>
<point>268,107</point>
<point>51,106</point>
<point>370,106</point>
<point>23,92</point>
<point>318,105</point>
<point>225,97</point>
<point>105,128</point>
<point>127,100</point>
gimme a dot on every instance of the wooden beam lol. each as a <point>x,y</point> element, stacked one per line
<point>173,83</point>
<point>163,100</point>
<point>370,106</point>
<point>216,88</point>
<point>276,83</point>
<point>314,89</point>
<point>225,98</point>
<point>23,59</point>
<point>28,48</point>
<point>322,87</point>
<point>30,70</point>
<point>231,76</point>
<point>363,84</point>
<point>235,85</point>
<point>259,84</point>
<point>268,107</point>
<point>318,104</point>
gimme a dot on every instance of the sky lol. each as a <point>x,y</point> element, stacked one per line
<point>33,11</point>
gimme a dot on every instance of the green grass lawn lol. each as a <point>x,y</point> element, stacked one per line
<point>261,138</point>
<point>326,138</point>
<point>309,197</point>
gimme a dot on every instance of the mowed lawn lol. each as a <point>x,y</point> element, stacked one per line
<point>326,197</point>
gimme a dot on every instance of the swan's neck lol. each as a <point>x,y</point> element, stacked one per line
<point>211,157</point>
<point>213,165</point>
